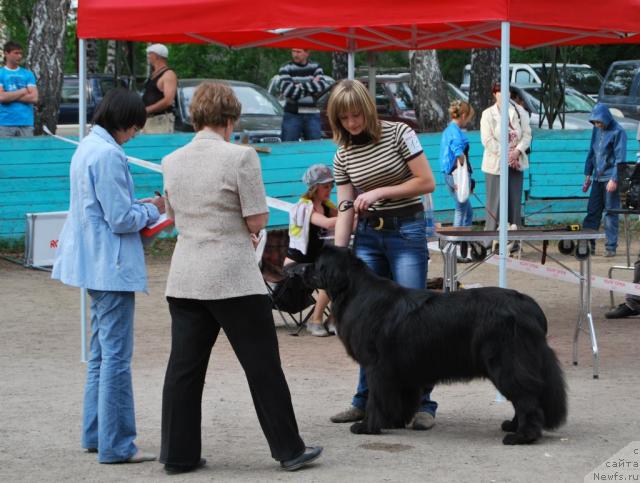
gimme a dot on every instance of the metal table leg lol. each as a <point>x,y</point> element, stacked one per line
<point>627,237</point>
<point>627,243</point>
<point>586,316</point>
<point>449,252</point>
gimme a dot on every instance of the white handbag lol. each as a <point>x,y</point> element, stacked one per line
<point>462,182</point>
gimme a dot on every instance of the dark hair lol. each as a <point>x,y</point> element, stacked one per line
<point>120,109</point>
<point>497,86</point>
<point>12,45</point>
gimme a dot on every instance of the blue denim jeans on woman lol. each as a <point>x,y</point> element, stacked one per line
<point>600,200</point>
<point>463,215</point>
<point>109,420</point>
<point>402,256</point>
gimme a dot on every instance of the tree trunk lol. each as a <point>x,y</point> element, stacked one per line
<point>430,97</point>
<point>3,32</point>
<point>110,62</point>
<point>45,58</point>
<point>92,56</point>
<point>339,65</point>
<point>485,71</point>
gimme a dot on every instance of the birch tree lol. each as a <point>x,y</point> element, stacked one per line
<point>430,97</point>
<point>45,57</point>
<point>485,71</point>
<point>339,65</point>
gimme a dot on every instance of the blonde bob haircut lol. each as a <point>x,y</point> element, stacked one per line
<point>351,96</point>
<point>214,104</point>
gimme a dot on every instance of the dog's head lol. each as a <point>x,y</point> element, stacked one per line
<point>331,270</point>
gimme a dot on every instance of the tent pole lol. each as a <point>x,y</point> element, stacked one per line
<point>82,129</point>
<point>504,151</point>
<point>351,60</point>
<point>371,64</point>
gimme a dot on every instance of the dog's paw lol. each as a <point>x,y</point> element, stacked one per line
<point>509,426</point>
<point>517,438</point>
<point>361,428</point>
<point>511,439</point>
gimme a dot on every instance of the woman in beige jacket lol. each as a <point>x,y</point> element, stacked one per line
<point>215,194</point>
<point>519,143</point>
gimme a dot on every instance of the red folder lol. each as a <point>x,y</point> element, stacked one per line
<point>152,230</point>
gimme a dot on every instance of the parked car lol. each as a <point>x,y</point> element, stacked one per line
<point>578,76</point>
<point>578,107</point>
<point>97,86</point>
<point>394,100</point>
<point>260,119</point>
<point>621,87</point>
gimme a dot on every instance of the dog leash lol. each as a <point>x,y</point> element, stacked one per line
<point>346,205</point>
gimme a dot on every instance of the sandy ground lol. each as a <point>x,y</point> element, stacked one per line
<point>41,381</point>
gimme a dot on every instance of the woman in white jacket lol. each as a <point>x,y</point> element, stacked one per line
<point>519,143</point>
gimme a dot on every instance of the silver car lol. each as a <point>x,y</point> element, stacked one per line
<point>260,119</point>
<point>578,107</point>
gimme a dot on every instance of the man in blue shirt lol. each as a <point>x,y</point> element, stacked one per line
<point>18,94</point>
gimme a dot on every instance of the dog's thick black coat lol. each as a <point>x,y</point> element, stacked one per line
<point>407,339</point>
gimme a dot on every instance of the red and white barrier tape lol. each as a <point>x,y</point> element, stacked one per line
<point>558,273</point>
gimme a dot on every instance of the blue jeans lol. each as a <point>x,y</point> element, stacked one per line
<point>600,200</point>
<point>464,212</point>
<point>402,256</point>
<point>109,420</point>
<point>295,126</point>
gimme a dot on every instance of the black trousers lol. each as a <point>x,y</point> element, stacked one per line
<point>248,324</point>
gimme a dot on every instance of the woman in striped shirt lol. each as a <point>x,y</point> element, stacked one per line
<point>381,167</point>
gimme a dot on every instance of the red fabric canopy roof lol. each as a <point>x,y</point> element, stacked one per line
<point>363,25</point>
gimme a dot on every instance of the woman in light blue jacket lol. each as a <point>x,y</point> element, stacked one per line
<point>454,149</point>
<point>100,249</point>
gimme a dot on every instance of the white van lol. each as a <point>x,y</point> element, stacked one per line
<point>579,76</point>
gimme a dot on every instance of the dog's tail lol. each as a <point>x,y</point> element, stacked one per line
<point>554,393</point>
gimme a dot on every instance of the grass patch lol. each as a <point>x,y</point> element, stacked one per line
<point>13,247</point>
<point>161,248</point>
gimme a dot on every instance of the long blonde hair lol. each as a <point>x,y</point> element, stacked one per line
<point>352,96</point>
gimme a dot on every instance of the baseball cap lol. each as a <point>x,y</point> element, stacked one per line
<point>317,174</point>
<point>159,49</point>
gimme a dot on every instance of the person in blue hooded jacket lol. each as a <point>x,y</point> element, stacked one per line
<point>608,148</point>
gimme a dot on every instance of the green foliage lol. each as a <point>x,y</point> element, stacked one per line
<point>257,65</point>
<point>12,246</point>
<point>452,64</point>
<point>208,61</point>
<point>70,49</point>
<point>16,16</point>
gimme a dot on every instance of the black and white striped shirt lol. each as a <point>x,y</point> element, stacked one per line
<point>369,166</point>
<point>298,86</point>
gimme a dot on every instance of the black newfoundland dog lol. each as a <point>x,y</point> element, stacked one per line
<point>407,339</point>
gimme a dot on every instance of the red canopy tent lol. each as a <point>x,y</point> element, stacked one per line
<point>368,26</point>
<point>357,26</point>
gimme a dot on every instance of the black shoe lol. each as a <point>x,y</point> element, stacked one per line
<point>177,469</point>
<point>310,454</point>
<point>620,312</point>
